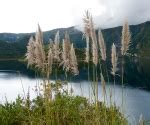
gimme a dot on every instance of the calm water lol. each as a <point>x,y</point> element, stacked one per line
<point>136,101</point>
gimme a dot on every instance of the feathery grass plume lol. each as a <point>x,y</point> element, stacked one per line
<point>56,47</point>
<point>39,50</point>
<point>94,54</point>
<point>86,34</point>
<point>103,84</point>
<point>50,61</point>
<point>73,61</point>
<point>94,42</point>
<point>66,53</point>
<point>86,21</point>
<point>126,37</point>
<point>40,57</point>
<point>30,55</point>
<point>114,59</point>
<point>102,45</point>
<point>39,35</point>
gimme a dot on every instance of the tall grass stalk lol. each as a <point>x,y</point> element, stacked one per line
<point>86,34</point>
<point>56,51</point>
<point>125,43</point>
<point>102,58</point>
<point>94,58</point>
<point>114,59</point>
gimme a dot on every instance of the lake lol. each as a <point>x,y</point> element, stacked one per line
<point>16,78</point>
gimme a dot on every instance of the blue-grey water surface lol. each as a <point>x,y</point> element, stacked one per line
<point>136,101</point>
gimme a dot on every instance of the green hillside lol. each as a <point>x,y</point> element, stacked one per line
<point>14,45</point>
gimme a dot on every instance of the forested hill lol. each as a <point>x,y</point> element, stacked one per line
<point>14,45</point>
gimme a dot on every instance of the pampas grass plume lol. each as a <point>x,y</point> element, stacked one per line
<point>126,38</point>
<point>73,61</point>
<point>30,55</point>
<point>86,33</point>
<point>94,42</point>
<point>114,59</point>
<point>102,45</point>
<point>39,50</point>
<point>56,48</point>
<point>50,60</point>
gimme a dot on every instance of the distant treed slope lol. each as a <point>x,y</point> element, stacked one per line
<point>14,49</point>
<point>14,45</point>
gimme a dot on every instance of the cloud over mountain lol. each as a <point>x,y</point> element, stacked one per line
<point>115,12</point>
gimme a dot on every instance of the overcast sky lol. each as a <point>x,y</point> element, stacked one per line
<point>24,15</point>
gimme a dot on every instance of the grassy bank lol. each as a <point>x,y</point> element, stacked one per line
<point>63,109</point>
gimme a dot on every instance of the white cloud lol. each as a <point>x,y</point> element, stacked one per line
<point>135,11</point>
<point>117,11</point>
<point>23,15</point>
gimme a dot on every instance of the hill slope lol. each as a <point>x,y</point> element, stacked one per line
<point>14,45</point>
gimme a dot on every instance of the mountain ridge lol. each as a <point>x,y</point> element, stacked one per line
<point>140,39</point>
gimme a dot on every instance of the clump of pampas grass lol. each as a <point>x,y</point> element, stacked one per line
<point>43,60</point>
<point>36,55</point>
<point>69,60</point>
